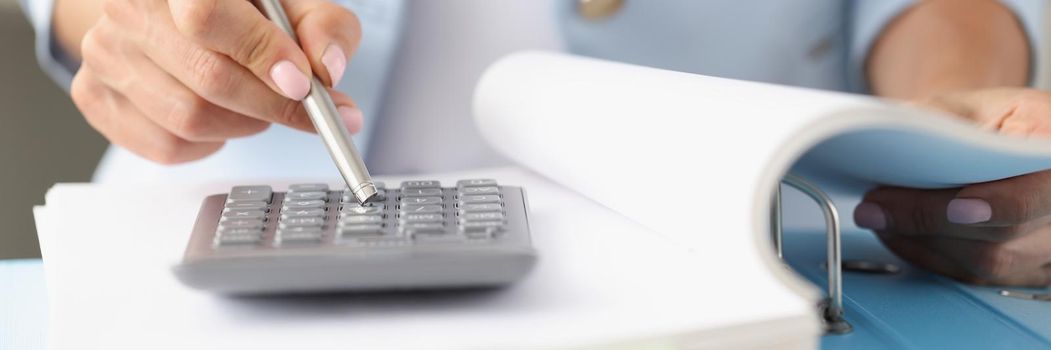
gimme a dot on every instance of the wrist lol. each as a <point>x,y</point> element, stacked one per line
<point>71,20</point>
<point>940,46</point>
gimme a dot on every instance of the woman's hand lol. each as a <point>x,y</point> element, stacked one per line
<point>997,232</point>
<point>173,80</point>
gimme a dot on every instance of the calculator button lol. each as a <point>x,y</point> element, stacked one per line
<point>480,190</point>
<point>481,198</point>
<point>420,209</point>
<point>305,196</point>
<point>422,228</point>
<point>305,204</point>
<point>241,231</point>
<point>366,205</point>
<point>302,222</point>
<point>420,184</point>
<point>249,194</point>
<point>302,212</point>
<point>243,214</point>
<point>260,205</point>
<point>348,210</point>
<point>480,208</point>
<point>240,223</point>
<point>298,235</point>
<point>410,218</point>
<point>421,192</point>
<point>360,219</point>
<point>237,240</point>
<point>475,228</point>
<point>474,183</point>
<point>360,230</point>
<point>308,188</point>
<point>420,200</point>
<point>489,216</point>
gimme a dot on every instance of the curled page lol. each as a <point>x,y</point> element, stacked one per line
<point>697,158</point>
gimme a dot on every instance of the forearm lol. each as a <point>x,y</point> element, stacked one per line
<point>945,45</point>
<point>71,20</point>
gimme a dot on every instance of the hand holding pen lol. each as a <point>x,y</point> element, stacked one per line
<point>173,80</point>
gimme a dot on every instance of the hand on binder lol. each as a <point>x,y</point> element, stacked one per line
<point>1010,111</point>
<point>989,233</point>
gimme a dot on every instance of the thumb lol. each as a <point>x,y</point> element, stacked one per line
<point>1012,111</point>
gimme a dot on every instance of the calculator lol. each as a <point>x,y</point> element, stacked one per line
<point>420,235</point>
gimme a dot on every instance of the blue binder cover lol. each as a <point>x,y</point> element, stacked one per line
<point>917,309</point>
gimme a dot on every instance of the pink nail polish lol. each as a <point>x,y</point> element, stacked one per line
<point>968,211</point>
<point>336,62</point>
<point>292,82</point>
<point>352,118</point>
<point>870,216</point>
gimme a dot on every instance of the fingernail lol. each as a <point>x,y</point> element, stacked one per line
<point>336,62</point>
<point>870,216</point>
<point>968,211</point>
<point>353,118</point>
<point>292,82</point>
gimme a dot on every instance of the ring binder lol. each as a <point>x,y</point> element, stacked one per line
<point>832,307</point>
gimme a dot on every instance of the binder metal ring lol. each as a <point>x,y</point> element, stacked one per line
<point>832,307</point>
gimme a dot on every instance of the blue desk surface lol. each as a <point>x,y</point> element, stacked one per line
<point>910,310</point>
<point>916,309</point>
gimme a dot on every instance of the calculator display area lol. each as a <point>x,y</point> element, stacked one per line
<point>418,236</point>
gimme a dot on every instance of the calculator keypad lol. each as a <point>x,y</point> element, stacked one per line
<point>310,214</point>
<point>244,216</point>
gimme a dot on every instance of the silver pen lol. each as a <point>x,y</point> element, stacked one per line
<point>327,121</point>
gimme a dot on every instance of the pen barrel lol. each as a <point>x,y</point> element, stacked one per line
<point>326,119</point>
<point>334,134</point>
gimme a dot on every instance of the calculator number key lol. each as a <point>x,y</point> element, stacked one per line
<point>359,210</point>
<point>481,198</point>
<point>250,194</point>
<point>487,216</point>
<point>298,235</point>
<point>421,200</point>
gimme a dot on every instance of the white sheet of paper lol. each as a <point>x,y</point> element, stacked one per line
<point>601,278</point>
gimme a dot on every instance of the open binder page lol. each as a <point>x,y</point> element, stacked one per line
<point>696,158</point>
<point>692,157</point>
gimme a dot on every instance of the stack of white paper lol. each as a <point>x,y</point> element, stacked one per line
<point>601,279</point>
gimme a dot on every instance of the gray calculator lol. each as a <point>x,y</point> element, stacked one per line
<point>420,235</point>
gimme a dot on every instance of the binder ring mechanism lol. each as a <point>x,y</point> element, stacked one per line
<point>832,307</point>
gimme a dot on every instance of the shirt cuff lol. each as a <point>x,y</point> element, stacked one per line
<point>52,59</point>
<point>1032,16</point>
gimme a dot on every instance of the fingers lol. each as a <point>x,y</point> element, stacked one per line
<point>328,33</point>
<point>237,29</point>
<point>916,252</point>
<point>120,122</point>
<point>1022,262</point>
<point>1011,111</point>
<point>1010,201</point>
<point>222,81</point>
<point>993,211</point>
<point>160,97</point>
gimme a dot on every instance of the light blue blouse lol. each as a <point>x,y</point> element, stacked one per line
<point>812,43</point>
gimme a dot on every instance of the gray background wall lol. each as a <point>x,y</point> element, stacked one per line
<point>43,139</point>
